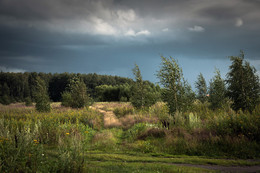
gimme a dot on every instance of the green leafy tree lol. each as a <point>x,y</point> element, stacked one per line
<point>142,94</point>
<point>243,84</point>
<point>138,97</point>
<point>75,95</point>
<point>176,93</point>
<point>201,87</point>
<point>217,92</point>
<point>41,96</point>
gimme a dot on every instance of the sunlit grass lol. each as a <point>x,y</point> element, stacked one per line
<point>75,140</point>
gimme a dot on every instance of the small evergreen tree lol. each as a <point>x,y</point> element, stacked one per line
<point>142,94</point>
<point>138,97</point>
<point>201,87</point>
<point>177,93</point>
<point>217,91</point>
<point>75,95</point>
<point>243,84</point>
<point>41,96</point>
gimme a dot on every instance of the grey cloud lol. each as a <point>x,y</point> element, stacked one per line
<point>101,35</point>
<point>220,12</point>
<point>11,69</point>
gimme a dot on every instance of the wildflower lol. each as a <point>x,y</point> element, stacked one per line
<point>34,140</point>
<point>86,131</point>
<point>67,133</point>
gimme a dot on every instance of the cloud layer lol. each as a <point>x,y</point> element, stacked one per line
<point>80,35</point>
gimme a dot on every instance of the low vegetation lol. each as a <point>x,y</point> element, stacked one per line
<point>75,139</point>
<point>152,129</point>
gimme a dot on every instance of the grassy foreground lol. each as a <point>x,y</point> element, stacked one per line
<point>76,140</point>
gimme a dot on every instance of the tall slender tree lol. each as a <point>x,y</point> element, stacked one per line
<point>142,94</point>
<point>201,87</point>
<point>138,96</point>
<point>176,93</point>
<point>41,96</point>
<point>243,84</point>
<point>217,91</point>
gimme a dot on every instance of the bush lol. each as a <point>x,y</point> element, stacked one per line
<point>42,97</point>
<point>5,100</point>
<point>75,95</point>
<point>28,101</point>
<point>122,111</point>
<point>43,104</point>
<point>66,99</point>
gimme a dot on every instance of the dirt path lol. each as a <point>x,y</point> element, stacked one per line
<point>110,119</point>
<point>225,168</point>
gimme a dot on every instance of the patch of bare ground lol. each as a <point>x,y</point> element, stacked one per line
<point>110,120</point>
<point>126,122</point>
<point>225,168</point>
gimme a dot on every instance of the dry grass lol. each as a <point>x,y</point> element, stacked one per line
<point>152,132</point>
<point>129,120</point>
<point>110,106</point>
<point>104,140</point>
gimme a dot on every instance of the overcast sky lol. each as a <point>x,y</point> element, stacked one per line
<point>110,36</point>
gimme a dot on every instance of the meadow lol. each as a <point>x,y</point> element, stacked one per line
<point>115,137</point>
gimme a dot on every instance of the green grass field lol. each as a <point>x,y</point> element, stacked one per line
<point>114,137</point>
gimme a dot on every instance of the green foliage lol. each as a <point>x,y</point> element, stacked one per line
<point>136,130</point>
<point>73,140</point>
<point>45,142</point>
<point>122,111</point>
<point>23,85</point>
<point>217,92</point>
<point>113,93</point>
<point>5,94</point>
<point>5,100</point>
<point>66,99</point>
<point>201,87</point>
<point>243,84</point>
<point>28,101</point>
<point>76,94</point>
<point>176,93</point>
<point>143,95</point>
<point>194,120</point>
<point>42,97</point>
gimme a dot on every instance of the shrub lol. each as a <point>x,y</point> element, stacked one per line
<point>28,101</point>
<point>66,99</point>
<point>75,95</point>
<point>194,121</point>
<point>5,100</point>
<point>42,97</point>
<point>122,111</point>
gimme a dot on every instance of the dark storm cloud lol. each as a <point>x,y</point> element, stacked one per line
<point>109,35</point>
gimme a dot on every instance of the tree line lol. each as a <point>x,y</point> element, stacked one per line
<point>240,89</point>
<point>21,87</point>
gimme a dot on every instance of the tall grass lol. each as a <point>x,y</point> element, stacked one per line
<point>46,142</point>
<point>59,141</point>
<point>200,131</point>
